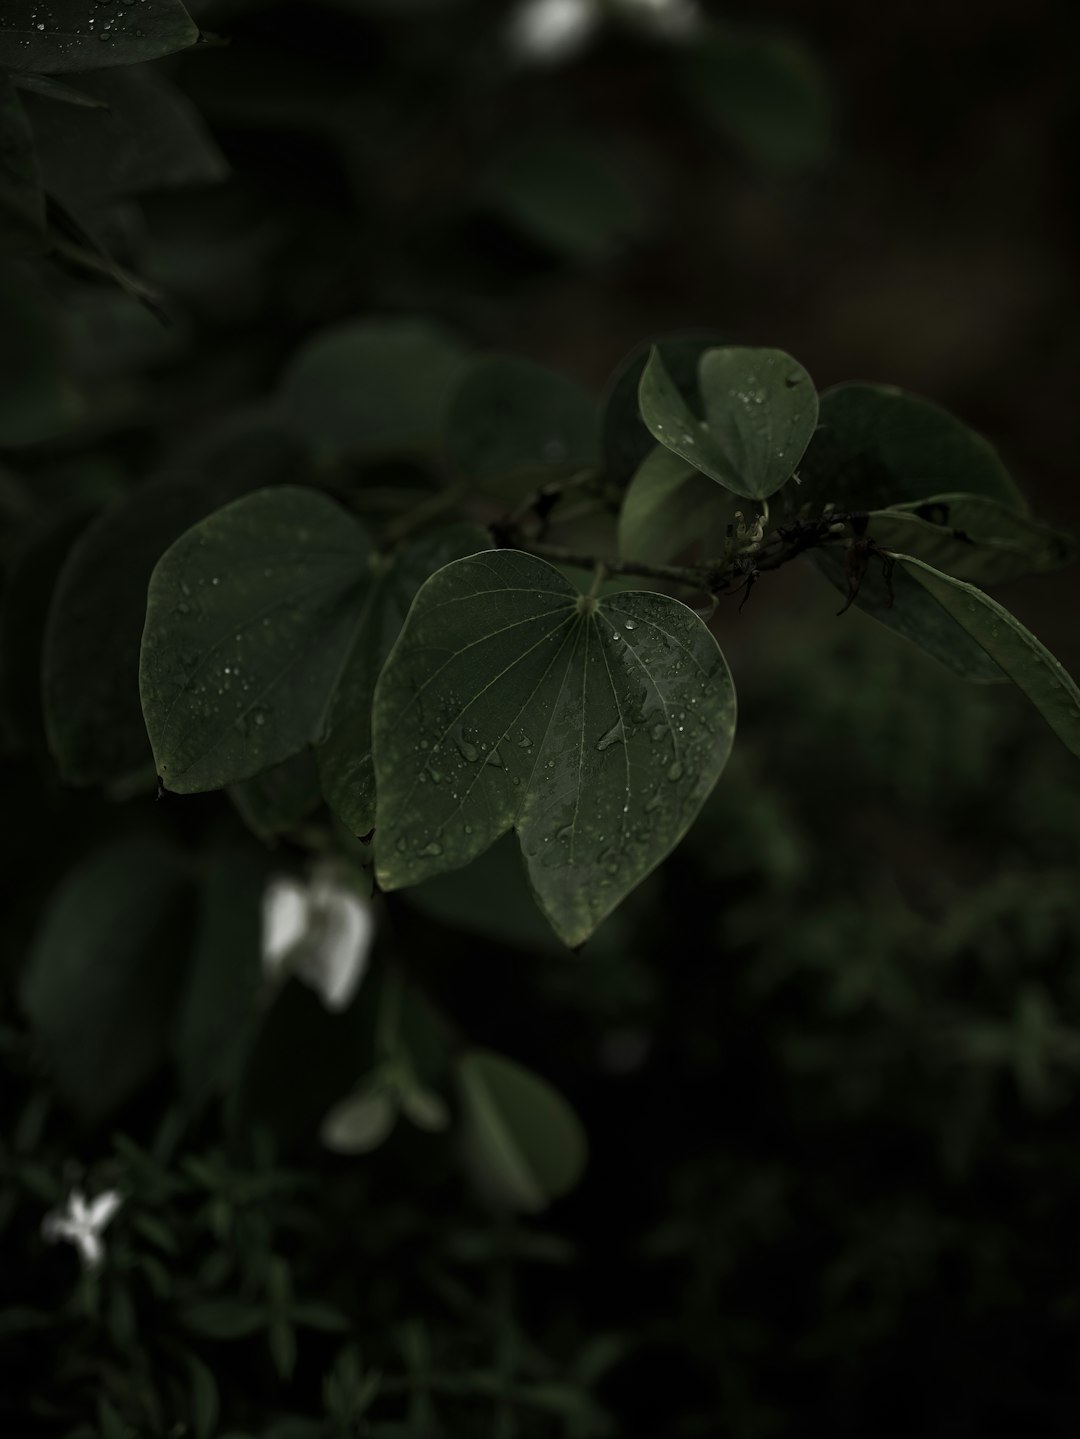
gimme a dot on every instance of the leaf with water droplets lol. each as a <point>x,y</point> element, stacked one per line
<point>251,617</point>
<point>344,754</point>
<point>56,36</point>
<point>523,1144</point>
<point>1007,644</point>
<point>760,409</point>
<point>599,727</point>
<point>510,415</point>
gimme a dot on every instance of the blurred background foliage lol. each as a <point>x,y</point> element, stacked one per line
<point>827,1058</point>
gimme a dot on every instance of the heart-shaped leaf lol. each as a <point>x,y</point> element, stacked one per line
<point>1022,658</point>
<point>593,727</point>
<point>523,1143</point>
<point>251,616</point>
<point>760,411</point>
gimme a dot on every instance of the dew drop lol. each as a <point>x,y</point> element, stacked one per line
<point>431,850</point>
<point>630,625</point>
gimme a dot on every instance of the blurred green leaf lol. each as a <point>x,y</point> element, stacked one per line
<point>74,35</point>
<point>373,387</point>
<point>278,799</point>
<point>759,413</point>
<point>362,1121</point>
<point>223,1319</point>
<point>523,1144</point>
<point>38,400</point>
<point>22,204</point>
<point>102,977</point>
<point>669,507</point>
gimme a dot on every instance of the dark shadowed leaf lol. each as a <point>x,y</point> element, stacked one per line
<point>759,410</point>
<point>509,414</point>
<point>22,204</point>
<point>1023,658</point>
<point>362,1121</point>
<point>669,507</point>
<point>251,617</point>
<point>523,1144</point>
<point>373,387</point>
<point>277,800</point>
<point>66,35</point>
<point>593,728</point>
<point>877,446</point>
<point>101,982</point>
<point>344,757</point>
<point>90,690</point>
<point>38,400</point>
<point>975,539</point>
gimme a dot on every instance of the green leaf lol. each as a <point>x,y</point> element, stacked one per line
<point>219,1006</point>
<point>102,978</point>
<point>626,442</point>
<point>362,1121</point>
<point>760,409</point>
<point>251,617</point>
<point>222,1319</point>
<point>69,35</point>
<point>767,95</point>
<point>205,1401</point>
<point>592,727</point>
<point>57,90</point>
<point>974,539</point>
<point>1026,661</point>
<point>877,447</point>
<point>90,690</point>
<point>373,387</point>
<point>144,136</point>
<point>566,194</point>
<point>280,798</point>
<point>670,507</point>
<point>509,414</point>
<point>345,763</point>
<point>22,204</point>
<point>906,608</point>
<point>523,1143</point>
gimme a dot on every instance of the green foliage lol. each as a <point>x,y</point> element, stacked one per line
<point>68,35</point>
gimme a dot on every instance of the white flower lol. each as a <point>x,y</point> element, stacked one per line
<point>321,931</point>
<point>82,1224</point>
<point>547,32</point>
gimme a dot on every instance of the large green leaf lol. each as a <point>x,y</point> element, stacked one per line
<point>346,768</point>
<point>523,1143</point>
<point>877,447</point>
<point>759,413</point>
<point>251,617</point>
<point>90,689</point>
<point>974,539</point>
<point>592,727</point>
<point>101,983</point>
<point>670,506</point>
<point>1023,658</point>
<point>510,414</point>
<point>373,387</point>
<point>22,204</point>
<point>63,35</point>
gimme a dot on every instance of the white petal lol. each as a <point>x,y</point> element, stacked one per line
<point>90,1247</point>
<point>550,31</point>
<point>103,1208</point>
<point>285,920</point>
<point>337,959</point>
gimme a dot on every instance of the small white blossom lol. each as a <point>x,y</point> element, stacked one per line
<point>82,1224</point>
<point>549,32</point>
<point>321,931</point>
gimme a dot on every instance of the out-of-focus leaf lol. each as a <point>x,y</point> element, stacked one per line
<point>65,35</point>
<point>767,95</point>
<point>373,387</point>
<point>670,506</point>
<point>37,398</point>
<point>509,414</point>
<point>277,800</point>
<point>22,204</point>
<point>362,1121</point>
<point>523,1144</point>
<point>102,977</point>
